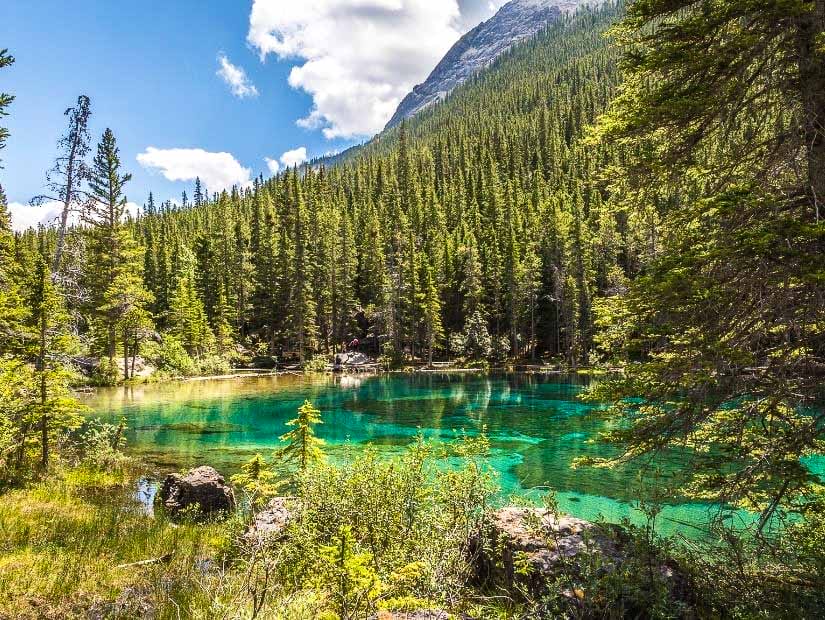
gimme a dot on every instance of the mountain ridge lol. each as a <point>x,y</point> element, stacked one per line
<point>515,22</point>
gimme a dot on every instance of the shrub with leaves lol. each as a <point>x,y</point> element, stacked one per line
<point>377,533</point>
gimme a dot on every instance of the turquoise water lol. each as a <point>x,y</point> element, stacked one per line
<point>537,426</point>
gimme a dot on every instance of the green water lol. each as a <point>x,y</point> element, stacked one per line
<point>537,427</point>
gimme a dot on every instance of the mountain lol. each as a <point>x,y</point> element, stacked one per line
<point>516,21</point>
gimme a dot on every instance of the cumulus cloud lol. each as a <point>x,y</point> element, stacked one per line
<point>24,216</point>
<point>295,157</point>
<point>357,58</point>
<point>272,164</point>
<point>235,78</point>
<point>218,171</point>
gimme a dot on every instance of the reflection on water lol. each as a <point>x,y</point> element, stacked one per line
<point>145,493</point>
<point>536,425</point>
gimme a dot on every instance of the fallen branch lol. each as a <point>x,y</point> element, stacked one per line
<point>163,558</point>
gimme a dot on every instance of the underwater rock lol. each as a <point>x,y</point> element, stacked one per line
<point>202,490</point>
<point>194,428</point>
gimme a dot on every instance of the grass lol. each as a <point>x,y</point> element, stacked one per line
<point>65,543</point>
<point>75,546</point>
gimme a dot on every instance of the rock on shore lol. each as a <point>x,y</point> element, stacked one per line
<point>203,490</point>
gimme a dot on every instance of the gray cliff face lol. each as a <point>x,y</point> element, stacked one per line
<point>516,21</point>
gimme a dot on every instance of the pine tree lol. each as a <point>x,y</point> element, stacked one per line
<point>303,447</point>
<point>303,299</point>
<point>117,285</point>
<point>187,316</point>
<point>430,310</point>
<point>198,196</point>
<point>53,409</point>
<point>6,99</point>
<point>222,324</point>
<point>69,172</point>
<point>12,310</point>
<point>128,301</point>
<point>258,481</point>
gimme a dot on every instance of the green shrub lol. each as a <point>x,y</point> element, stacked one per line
<point>171,358</point>
<point>372,530</point>
<point>318,363</point>
<point>107,373</point>
<point>213,365</point>
<point>391,357</point>
<point>95,444</point>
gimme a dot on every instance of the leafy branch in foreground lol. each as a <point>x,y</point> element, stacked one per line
<point>728,320</point>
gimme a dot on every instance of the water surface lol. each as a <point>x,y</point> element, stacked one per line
<point>537,427</point>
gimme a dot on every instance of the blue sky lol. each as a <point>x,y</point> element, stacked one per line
<point>316,75</point>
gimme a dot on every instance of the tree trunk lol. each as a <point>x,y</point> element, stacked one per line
<point>111,344</point>
<point>41,362</point>
<point>811,29</point>
<point>533,327</point>
<point>135,346</point>
<point>126,356</point>
<point>67,203</point>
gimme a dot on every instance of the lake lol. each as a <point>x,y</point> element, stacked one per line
<point>537,426</point>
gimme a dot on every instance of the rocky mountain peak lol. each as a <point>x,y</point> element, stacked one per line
<point>516,21</point>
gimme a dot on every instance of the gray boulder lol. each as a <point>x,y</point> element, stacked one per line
<point>269,524</point>
<point>202,490</point>
<point>523,549</point>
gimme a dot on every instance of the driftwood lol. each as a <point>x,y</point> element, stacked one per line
<point>160,560</point>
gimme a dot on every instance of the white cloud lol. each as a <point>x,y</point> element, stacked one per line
<point>272,164</point>
<point>295,157</point>
<point>359,57</point>
<point>218,171</point>
<point>235,78</point>
<point>24,216</point>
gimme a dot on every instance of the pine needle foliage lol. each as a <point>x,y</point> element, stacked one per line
<point>303,448</point>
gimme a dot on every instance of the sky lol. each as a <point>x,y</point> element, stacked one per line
<point>223,89</point>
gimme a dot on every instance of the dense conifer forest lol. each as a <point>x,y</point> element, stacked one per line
<point>485,222</point>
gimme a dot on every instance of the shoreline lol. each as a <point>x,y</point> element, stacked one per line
<point>241,374</point>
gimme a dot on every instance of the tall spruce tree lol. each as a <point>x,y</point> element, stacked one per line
<point>69,173</point>
<point>53,410</point>
<point>187,315</point>
<point>119,296</point>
